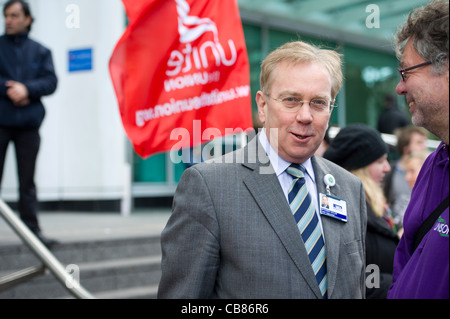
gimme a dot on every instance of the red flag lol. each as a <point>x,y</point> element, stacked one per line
<point>181,63</point>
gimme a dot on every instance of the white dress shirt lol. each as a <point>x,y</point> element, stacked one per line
<point>280,166</point>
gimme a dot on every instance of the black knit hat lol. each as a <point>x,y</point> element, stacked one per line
<point>356,146</point>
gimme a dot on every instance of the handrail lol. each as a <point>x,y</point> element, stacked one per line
<point>20,276</point>
<point>42,252</point>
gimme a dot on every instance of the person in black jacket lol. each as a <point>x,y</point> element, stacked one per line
<point>391,118</point>
<point>26,74</point>
<point>361,150</point>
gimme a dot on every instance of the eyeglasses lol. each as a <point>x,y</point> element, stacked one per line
<point>317,106</point>
<point>402,72</point>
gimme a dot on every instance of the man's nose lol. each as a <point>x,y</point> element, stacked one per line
<point>401,88</point>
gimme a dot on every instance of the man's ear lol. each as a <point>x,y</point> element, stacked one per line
<point>28,20</point>
<point>261,102</point>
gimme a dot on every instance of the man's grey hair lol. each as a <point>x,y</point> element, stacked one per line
<point>427,26</point>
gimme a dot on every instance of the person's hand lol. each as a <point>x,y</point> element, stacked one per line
<point>22,103</point>
<point>18,93</point>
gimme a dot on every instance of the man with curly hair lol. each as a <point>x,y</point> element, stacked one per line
<point>421,266</point>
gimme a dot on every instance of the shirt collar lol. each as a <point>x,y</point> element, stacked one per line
<point>278,163</point>
<point>442,154</point>
<point>18,38</point>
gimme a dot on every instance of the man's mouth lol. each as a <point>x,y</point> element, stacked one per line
<point>411,104</point>
<point>299,136</point>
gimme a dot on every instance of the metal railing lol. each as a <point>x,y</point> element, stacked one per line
<point>48,260</point>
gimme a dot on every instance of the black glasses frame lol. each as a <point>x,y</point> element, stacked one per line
<point>403,71</point>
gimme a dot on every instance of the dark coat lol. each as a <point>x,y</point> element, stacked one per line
<point>381,243</point>
<point>28,62</point>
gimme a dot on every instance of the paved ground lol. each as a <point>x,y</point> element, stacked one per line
<point>70,226</point>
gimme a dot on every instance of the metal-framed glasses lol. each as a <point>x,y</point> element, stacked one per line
<point>403,71</point>
<point>317,106</point>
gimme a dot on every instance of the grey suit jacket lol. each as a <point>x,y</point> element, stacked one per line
<point>233,235</point>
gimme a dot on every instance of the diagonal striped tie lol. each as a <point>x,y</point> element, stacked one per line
<point>308,224</point>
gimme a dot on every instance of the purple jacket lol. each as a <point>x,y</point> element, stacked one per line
<point>425,273</point>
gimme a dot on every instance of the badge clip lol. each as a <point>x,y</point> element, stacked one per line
<point>329,181</point>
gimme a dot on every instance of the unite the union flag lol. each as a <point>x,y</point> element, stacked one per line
<point>180,63</point>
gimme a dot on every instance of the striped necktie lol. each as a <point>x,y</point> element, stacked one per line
<point>308,224</point>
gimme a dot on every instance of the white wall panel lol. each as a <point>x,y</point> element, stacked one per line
<point>82,154</point>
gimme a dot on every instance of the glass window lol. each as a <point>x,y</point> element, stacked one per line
<point>369,77</point>
<point>152,169</point>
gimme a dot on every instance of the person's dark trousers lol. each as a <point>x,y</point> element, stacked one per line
<point>26,143</point>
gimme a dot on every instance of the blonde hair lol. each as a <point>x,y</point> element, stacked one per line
<point>420,155</point>
<point>301,52</point>
<point>374,193</point>
<point>404,134</point>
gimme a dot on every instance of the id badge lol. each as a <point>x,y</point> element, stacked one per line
<point>333,207</point>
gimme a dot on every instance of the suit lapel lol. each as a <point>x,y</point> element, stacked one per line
<point>331,227</point>
<point>273,205</point>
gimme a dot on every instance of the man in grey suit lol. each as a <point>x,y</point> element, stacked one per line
<point>233,231</point>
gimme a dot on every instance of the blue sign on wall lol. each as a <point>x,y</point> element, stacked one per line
<point>80,60</point>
